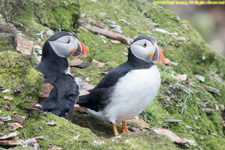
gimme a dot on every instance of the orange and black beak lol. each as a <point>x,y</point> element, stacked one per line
<point>81,50</point>
<point>161,56</point>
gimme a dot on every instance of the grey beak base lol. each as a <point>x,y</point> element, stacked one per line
<point>78,50</point>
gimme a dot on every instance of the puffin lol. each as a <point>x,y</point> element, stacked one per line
<point>128,89</point>
<point>56,71</point>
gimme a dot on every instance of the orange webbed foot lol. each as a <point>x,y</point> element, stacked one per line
<point>125,130</point>
<point>115,130</point>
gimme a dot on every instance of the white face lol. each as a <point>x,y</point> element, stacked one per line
<point>63,46</point>
<point>142,48</point>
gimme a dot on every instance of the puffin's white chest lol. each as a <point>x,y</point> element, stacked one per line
<point>132,95</point>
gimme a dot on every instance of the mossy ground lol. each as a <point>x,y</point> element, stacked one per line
<point>181,100</point>
<point>5,42</point>
<point>142,140</point>
<point>17,75</point>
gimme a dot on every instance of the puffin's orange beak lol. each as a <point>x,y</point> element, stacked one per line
<point>84,51</point>
<point>161,56</point>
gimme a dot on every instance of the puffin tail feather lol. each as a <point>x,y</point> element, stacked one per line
<point>82,101</point>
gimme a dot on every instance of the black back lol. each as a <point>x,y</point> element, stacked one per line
<point>62,97</point>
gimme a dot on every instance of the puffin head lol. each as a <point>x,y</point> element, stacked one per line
<point>64,45</point>
<point>145,48</point>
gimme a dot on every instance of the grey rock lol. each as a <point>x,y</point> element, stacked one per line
<point>8,37</point>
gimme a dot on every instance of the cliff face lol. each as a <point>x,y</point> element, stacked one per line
<point>190,101</point>
<point>51,13</point>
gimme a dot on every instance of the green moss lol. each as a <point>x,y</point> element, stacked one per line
<point>5,42</point>
<point>56,14</point>
<point>90,72</point>
<point>52,13</point>
<point>17,75</point>
<point>128,140</point>
<point>211,142</point>
<point>33,61</point>
<point>87,121</point>
<point>167,77</point>
<point>75,137</point>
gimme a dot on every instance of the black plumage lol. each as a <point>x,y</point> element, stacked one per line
<point>65,90</point>
<point>62,97</point>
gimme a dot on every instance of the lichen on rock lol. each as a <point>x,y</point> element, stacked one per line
<point>8,37</point>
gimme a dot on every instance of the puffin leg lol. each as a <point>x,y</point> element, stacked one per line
<point>115,130</point>
<point>125,130</point>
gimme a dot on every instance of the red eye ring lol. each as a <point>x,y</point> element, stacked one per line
<point>144,45</point>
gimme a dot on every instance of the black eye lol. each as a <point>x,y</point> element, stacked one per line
<point>144,45</point>
<point>68,42</point>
